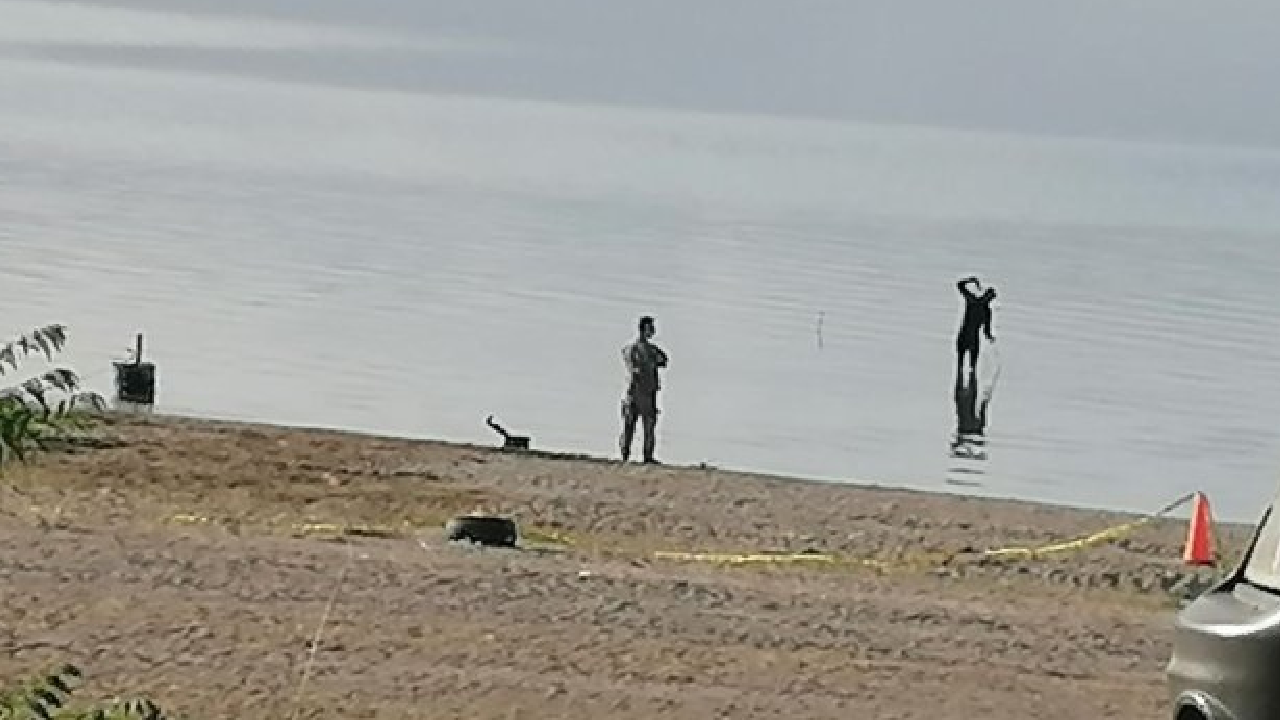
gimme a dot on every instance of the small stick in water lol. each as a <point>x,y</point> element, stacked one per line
<point>821,315</point>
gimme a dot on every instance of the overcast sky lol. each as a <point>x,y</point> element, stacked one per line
<point>1169,70</point>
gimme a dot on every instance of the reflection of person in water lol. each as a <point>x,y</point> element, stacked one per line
<point>971,419</point>
<point>977,317</point>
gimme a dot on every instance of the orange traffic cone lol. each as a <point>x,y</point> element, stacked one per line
<point>1199,550</point>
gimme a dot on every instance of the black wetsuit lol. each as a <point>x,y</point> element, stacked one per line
<point>977,317</point>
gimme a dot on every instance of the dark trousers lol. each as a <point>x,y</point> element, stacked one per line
<point>967,346</point>
<point>642,407</point>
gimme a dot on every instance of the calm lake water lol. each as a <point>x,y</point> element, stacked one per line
<point>322,223</point>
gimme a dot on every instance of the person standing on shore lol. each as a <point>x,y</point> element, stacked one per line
<point>977,317</point>
<point>642,359</point>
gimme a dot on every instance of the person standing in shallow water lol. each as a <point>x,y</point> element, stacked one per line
<point>977,319</point>
<point>642,359</point>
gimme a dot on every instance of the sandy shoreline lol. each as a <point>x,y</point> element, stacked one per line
<point>169,560</point>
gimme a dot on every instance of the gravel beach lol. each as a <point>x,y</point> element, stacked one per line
<point>193,560</point>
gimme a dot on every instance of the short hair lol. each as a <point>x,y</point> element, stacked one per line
<point>646,321</point>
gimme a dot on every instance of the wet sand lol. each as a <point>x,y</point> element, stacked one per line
<point>192,561</point>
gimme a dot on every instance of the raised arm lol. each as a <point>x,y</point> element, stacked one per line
<point>963,287</point>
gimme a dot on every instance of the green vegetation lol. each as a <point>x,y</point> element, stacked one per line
<point>42,409</point>
<point>49,698</point>
<point>37,413</point>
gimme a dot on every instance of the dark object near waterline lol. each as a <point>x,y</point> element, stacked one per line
<point>1226,643</point>
<point>483,530</point>
<point>509,441</point>
<point>135,379</point>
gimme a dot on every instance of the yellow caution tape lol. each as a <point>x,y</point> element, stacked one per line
<point>924,561</point>
<point>920,561</point>
<point>549,537</point>
<point>385,532</point>
<point>784,558</point>
<point>302,529</point>
<point>745,558</point>
<point>188,519</point>
<point>307,529</point>
<point>1103,536</point>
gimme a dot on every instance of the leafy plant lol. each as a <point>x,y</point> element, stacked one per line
<point>27,417</point>
<point>42,698</point>
<point>49,698</point>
